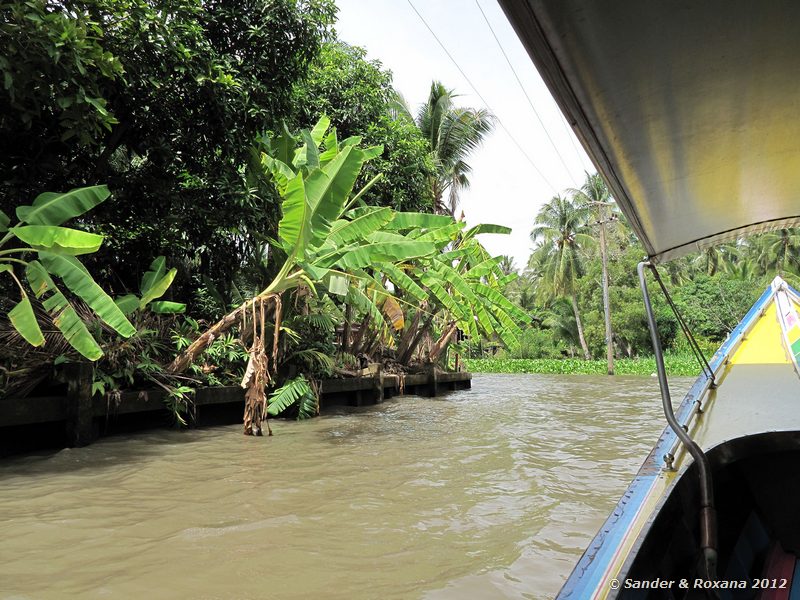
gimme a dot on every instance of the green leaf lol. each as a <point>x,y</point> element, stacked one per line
<point>344,232</point>
<point>4,221</point>
<point>61,240</point>
<point>158,288</point>
<point>280,171</point>
<point>288,394</point>
<point>327,190</point>
<point>165,307</point>
<point>80,282</point>
<point>127,304</point>
<point>498,299</point>
<point>315,272</point>
<point>294,229</point>
<point>338,285</point>
<point>486,228</point>
<point>442,296</point>
<point>411,220</point>
<point>371,253</point>
<point>402,281</point>
<point>312,153</point>
<point>282,147</point>
<point>157,270</point>
<point>61,311</point>
<point>55,208</point>
<point>318,131</point>
<point>440,235</point>
<point>487,267</point>
<point>365,304</point>
<point>331,148</point>
<point>24,321</point>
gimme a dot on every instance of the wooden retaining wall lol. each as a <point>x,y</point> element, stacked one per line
<point>79,414</point>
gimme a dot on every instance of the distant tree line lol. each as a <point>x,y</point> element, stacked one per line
<point>562,283</point>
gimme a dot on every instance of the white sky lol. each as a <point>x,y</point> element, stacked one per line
<point>505,187</point>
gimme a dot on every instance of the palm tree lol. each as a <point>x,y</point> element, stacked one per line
<point>595,193</point>
<point>561,232</point>
<point>507,265</point>
<point>719,258</point>
<point>778,251</point>
<point>453,134</point>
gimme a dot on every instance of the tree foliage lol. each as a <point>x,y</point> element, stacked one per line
<point>162,101</point>
<point>713,288</point>
<point>357,95</point>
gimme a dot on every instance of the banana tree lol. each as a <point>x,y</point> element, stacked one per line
<point>328,236</point>
<point>461,289</point>
<point>46,252</point>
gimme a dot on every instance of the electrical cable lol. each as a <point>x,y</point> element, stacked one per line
<point>524,91</point>
<point>477,93</point>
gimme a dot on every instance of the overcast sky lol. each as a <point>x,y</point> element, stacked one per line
<point>506,189</point>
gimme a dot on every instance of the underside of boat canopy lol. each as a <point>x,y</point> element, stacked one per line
<point>690,110</point>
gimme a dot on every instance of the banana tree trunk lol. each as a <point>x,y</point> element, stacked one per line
<point>355,347</point>
<point>443,341</point>
<point>408,335</point>
<point>201,344</point>
<point>348,316</point>
<point>586,354</point>
<point>406,356</point>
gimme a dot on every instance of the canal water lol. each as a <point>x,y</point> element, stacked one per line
<point>488,493</point>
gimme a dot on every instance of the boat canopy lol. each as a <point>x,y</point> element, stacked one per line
<point>690,110</point>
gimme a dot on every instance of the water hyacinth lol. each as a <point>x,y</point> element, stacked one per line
<point>676,364</point>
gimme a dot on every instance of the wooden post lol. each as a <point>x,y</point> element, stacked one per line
<point>377,385</point>
<point>432,381</point>
<point>79,425</point>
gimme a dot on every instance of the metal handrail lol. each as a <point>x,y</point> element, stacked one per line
<point>708,518</point>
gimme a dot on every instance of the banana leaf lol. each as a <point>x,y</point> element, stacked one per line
<point>294,228</point>
<point>412,220</point>
<point>402,281</point>
<point>165,307</point>
<point>53,208</point>
<point>24,321</point>
<point>372,253</point>
<point>61,311</point>
<point>80,282</point>
<point>344,232</point>
<point>61,240</point>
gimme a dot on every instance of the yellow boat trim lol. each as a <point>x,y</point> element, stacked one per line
<point>764,344</point>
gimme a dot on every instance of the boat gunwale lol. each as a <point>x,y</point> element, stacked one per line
<point>587,577</point>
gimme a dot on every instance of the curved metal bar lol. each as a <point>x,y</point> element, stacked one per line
<point>708,520</point>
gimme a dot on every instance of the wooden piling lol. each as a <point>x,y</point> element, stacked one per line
<point>79,409</point>
<point>433,381</point>
<point>377,385</point>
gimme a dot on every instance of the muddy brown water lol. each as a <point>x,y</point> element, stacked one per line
<point>487,493</point>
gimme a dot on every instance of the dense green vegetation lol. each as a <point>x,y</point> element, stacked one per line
<point>678,365</point>
<point>251,203</point>
<point>561,286</point>
<point>200,123</point>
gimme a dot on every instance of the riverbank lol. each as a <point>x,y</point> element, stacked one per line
<point>678,365</point>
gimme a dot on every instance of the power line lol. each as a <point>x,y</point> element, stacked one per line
<point>474,89</point>
<point>571,135</point>
<point>524,91</point>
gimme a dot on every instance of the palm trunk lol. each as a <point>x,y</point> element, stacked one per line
<point>586,354</point>
<point>606,302</point>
